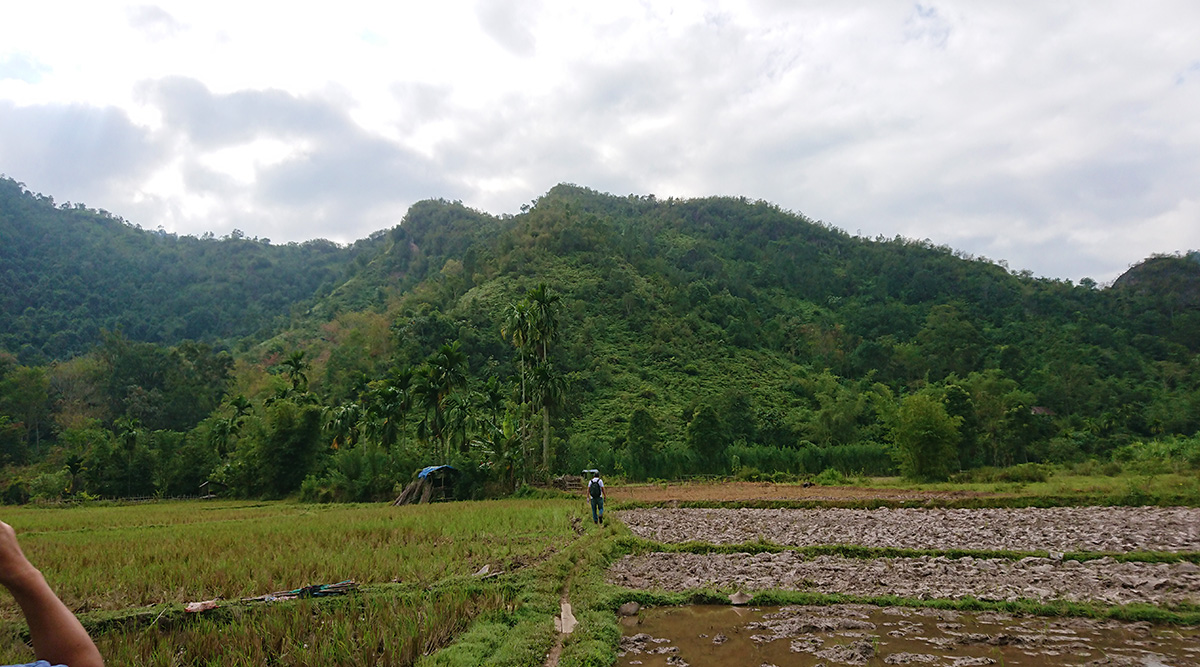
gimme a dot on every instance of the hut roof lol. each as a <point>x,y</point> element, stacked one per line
<point>428,469</point>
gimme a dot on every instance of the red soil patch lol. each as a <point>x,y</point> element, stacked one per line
<point>767,491</point>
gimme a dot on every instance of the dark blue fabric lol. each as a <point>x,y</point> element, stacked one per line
<point>597,509</point>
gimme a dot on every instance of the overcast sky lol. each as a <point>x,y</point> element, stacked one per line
<point>1062,137</point>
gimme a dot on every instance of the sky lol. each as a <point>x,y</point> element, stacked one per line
<point>1062,138</point>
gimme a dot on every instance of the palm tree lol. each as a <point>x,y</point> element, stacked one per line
<point>544,327</point>
<point>342,422</point>
<point>294,367</point>
<point>443,373</point>
<point>518,328</point>
<point>241,408</point>
<point>461,418</point>
<point>127,434</point>
<point>548,389</point>
<point>544,323</point>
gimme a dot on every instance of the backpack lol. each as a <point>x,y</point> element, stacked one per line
<point>594,488</point>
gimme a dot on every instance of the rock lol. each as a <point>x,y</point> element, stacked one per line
<point>740,598</point>
<point>629,609</point>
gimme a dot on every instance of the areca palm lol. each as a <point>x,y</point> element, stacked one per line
<point>343,423</point>
<point>438,378</point>
<point>518,328</point>
<point>386,406</point>
<point>544,319</point>
<point>294,367</point>
<point>548,387</point>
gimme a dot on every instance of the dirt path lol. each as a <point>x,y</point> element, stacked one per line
<point>766,491</point>
<point>1097,529</point>
<point>565,624</point>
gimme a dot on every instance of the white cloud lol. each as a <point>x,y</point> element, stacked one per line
<point>1059,137</point>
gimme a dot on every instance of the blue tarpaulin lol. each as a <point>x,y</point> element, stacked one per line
<point>428,469</point>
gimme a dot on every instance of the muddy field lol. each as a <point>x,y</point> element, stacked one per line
<point>855,635</point>
<point>926,577</point>
<point>1096,529</point>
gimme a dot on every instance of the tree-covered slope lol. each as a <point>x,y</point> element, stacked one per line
<point>672,305</point>
<point>655,337</point>
<point>67,272</point>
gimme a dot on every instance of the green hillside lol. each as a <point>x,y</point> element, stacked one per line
<point>659,338</point>
<point>70,272</point>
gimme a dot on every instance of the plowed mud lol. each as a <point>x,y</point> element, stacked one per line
<point>1041,579</point>
<point>1096,529</point>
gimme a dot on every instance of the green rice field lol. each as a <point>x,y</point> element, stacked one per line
<point>128,571</point>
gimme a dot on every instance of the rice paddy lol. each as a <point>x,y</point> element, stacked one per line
<point>128,571</point>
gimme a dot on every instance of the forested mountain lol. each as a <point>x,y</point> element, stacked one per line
<point>67,272</point>
<point>655,337</point>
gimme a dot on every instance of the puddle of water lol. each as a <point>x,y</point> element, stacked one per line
<point>722,636</point>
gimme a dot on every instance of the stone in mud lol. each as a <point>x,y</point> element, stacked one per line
<point>720,639</point>
<point>1123,661</point>
<point>641,643</point>
<point>629,609</point>
<point>807,645</point>
<point>972,661</point>
<point>854,653</point>
<point>903,658</point>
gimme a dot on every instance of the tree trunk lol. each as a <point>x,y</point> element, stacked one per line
<point>546,437</point>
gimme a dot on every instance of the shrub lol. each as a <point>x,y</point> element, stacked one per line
<point>926,439</point>
<point>830,477</point>
<point>51,485</point>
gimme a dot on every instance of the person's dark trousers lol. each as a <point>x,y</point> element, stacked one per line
<point>597,509</point>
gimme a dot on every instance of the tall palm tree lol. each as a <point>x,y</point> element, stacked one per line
<point>544,323</point>
<point>386,406</point>
<point>548,387</point>
<point>443,373</point>
<point>544,327</point>
<point>518,328</point>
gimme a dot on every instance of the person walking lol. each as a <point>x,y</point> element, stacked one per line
<point>596,496</point>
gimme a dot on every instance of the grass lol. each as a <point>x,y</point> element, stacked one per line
<point>127,570</point>
<point>1061,487</point>
<point>113,558</point>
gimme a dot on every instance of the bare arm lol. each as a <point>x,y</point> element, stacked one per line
<point>57,635</point>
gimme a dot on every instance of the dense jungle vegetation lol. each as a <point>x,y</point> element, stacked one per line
<point>652,338</point>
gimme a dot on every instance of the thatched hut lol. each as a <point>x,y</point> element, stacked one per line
<point>431,484</point>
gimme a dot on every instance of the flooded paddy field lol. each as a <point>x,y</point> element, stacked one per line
<point>868,635</point>
<point>1095,529</point>
<point>715,636</point>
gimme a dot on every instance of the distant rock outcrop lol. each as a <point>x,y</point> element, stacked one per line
<point>1175,278</point>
